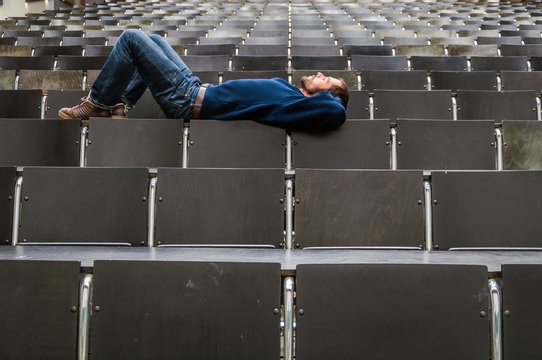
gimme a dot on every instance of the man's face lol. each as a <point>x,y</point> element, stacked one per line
<point>318,82</point>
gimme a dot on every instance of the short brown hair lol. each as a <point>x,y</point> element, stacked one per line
<point>341,92</point>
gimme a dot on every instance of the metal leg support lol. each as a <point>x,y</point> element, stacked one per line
<point>496,320</point>
<point>83,147</point>
<point>393,154</point>
<point>151,211</point>
<point>288,152</point>
<point>43,107</point>
<point>84,313</point>
<point>185,148</point>
<point>16,210</point>
<point>289,214</point>
<point>499,146</point>
<point>428,216</point>
<point>289,318</point>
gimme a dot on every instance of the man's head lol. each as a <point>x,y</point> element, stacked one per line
<point>311,85</point>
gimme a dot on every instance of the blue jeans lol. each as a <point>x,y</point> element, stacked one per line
<point>138,61</point>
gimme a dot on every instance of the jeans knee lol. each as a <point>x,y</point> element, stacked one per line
<point>129,34</point>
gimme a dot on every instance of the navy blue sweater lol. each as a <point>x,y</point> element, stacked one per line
<point>273,102</point>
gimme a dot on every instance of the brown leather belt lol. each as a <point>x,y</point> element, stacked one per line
<point>199,100</point>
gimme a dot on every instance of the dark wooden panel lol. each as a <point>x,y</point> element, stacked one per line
<point>415,104</point>
<point>189,310</point>
<point>25,142</point>
<point>396,80</point>
<point>235,144</point>
<point>84,205</point>
<point>496,105</point>
<point>448,144</point>
<point>20,103</point>
<point>135,142</point>
<point>358,208</point>
<point>487,209</point>
<point>522,327</point>
<point>384,311</point>
<point>220,206</point>
<point>36,309</point>
<point>357,144</point>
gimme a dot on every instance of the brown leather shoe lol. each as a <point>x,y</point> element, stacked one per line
<point>87,109</point>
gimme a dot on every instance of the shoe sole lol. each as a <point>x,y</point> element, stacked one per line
<point>67,116</point>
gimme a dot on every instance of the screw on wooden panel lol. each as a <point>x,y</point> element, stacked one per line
<point>160,199</point>
<point>387,143</point>
<point>281,201</point>
<point>73,309</point>
<point>505,144</point>
<point>282,143</point>
<point>435,201</point>
<point>7,241</point>
<point>301,312</point>
<point>144,198</point>
<point>492,144</point>
<point>420,202</point>
<point>90,142</point>
<point>191,142</point>
<point>507,313</point>
<point>159,243</point>
<point>26,198</point>
<point>281,245</point>
<point>10,198</point>
<point>436,247</point>
<point>297,201</point>
<point>97,308</point>
<point>483,314</point>
<point>77,143</point>
<point>399,143</point>
<point>180,142</point>
<point>142,243</point>
<point>276,311</point>
<point>297,245</point>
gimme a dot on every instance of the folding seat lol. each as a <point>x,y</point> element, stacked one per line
<point>103,33</point>
<point>536,63</point>
<point>22,33</point>
<point>518,63</point>
<point>62,33</point>
<point>319,62</point>
<point>11,50</point>
<point>38,41</point>
<point>8,41</point>
<point>520,289</point>
<point>247,330</point>
<point>532,41</point>
<point>20,103</point>
<point>58,50</point>
<point>186,33</point>
<point>521,80</point>
<point>448,144</point>
<point>315,50</point>
<point>358,208</point>
<point>39,142</point>
<point>97,50</point>
<point>266,41</point>
<point>478,33</point>
<point>357,144</point>
<point>391,79</point>
<point>468,209</point>
<point>112,209</point>
<point>327,41</point>
<point>39,304</point>
<point>207,148</point>
<point>521,50</point>
<point>465,80</point>
<point>146,142</point>
<point>420,50</point>
<point>349,76</point>
<point>388,311</point>
<point>374,62</point>
<point>496,105</point>
<point>218,49</point>
<point>360,41</point>
<point>181,41</point>
<point>254,63</point>
<point>7,79</point>
<point>445,63</point>
<point>51,80</point>
<point>269,33</point>
<point>522,33</point>
<point>465,41</point>
<point>80,62</point>
<point>265,74</point>
<point>367,50</point>
<point>507,40</point>
<point>220,40</point>
<point>229,33</point>
<point>27,62</point>
<point>387,40</point>
<point>432,33</point>
<point>472,50</point>
<point>420,104</point>
<point>206,62</point>
<point>263,50</point>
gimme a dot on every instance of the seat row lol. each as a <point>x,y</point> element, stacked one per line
<point>198,309</point>
<point>260,208</point>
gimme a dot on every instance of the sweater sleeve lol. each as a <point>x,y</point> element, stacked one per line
<point>319,112</point>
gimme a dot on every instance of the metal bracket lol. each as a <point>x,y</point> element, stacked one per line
<point>289,214</point>
<point>428,216</point>
<point>16,210</point>
<point>538,109</point>
<point>186,132</point>
<point>85,291</point>
<point>499,146</point>
<point>499,83</point>
<point>151,211</point>
<point>43,105</point>
<point>496,320</point>
<point>371,107</point>
<point>288,152</point>
<point>455,109</point>
<point>83,146</point>
<point>288,318</point>
<point>393,152</point>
